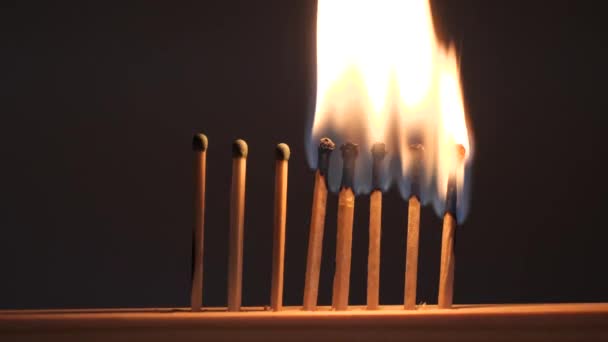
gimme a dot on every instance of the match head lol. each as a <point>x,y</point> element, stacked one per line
<point>282,152</point>
<point>460,151</point>
<point>199,142</point>
<point>416,169</point>
<point>349,151</point>
<point>378,151</point>
<point>326,145</point>
<point>416,151</point>
<point>349,155</point>
<point>378,154</point>
<point>239,149</point>
<point>416,148</point>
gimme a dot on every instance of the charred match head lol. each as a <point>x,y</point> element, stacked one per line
<point>451,195</point>
<point>350,151</point>
<point>199,142</point>
<point>460,152</point>
<point>378,154</point>
<point>239,149</point>
<point>416,151</point>
<point>326,146</point>
<point>282,152</point>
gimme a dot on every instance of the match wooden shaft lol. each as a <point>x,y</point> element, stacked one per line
<point>200,167</point>
<point>346,211</point>
<point>446,273</point>
<point>278,252</point>
<point>411,257</point>
<point>373,261</point>
<point>235,248</point>
<point>315,242</point>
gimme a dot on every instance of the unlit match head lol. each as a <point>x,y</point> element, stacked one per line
<point>239,149</point>
<point>282,152</point>
<point>199,142</point>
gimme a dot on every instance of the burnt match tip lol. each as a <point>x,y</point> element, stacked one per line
<point>461,151</point>
<point>349,155</point>
<point>199,142</point>
<point>326,145</point>
<point>349,150</point>
<point>379,151</point>
<point>417,148</point>
<point>239,149</point>
<point>282,152</point>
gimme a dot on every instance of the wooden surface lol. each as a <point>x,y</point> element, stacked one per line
<point>524,322</point>
<point>411,253</point>
<point>373,259</point>
<point>200,168</point>
<point>446,270</point>
<point>235,243</point>
<point>278,250</point>
<point>344,242</point>
<point>315,242</point>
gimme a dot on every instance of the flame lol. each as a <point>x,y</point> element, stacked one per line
<point>452,132</point>
<point>363,48</point>
<point>383,76</point>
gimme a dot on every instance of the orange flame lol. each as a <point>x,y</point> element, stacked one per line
<point>452,125</point>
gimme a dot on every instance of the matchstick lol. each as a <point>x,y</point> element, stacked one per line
<point>375,229</point>
<point>280,213</point>
<point>199,145</point>
<point>317,226</point>
<point>237,216</point>
<point>346,211</point>
<point>446,273</point>
<point>413,230</point>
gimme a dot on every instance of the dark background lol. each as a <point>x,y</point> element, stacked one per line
<point>100,101</point>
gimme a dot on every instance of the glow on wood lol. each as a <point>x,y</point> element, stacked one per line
<point>508,322</point>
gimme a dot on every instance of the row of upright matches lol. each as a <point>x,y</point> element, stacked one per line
<point>346,205</point>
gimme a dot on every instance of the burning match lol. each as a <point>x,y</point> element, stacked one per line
<point>413,230</point>
<point>317,225</point>
<point>346,211</point>
<point>199,145</point>
<point>280,213</point>
<point>375,229</point>
<point>391,81</point>
<point>446,273</point>
<point>237,214</point>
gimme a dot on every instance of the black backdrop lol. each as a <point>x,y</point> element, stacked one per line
<point>99,103</point>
